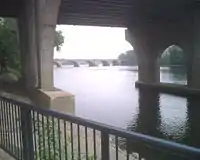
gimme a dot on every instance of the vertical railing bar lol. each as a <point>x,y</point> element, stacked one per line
<point>65,139</point>
<point>27,132</point>
<point>3,121</point>
<point>79,145</point>
<point>11,129</point>
<point>34,133</point>
<point>20,131</point>
<point>72,141</point>
<point>43,137</point>
<point>3,116</point>
<point>39,134</point>
<point>116,147</point>
<point>105,146</point>
<point>6,125</point>
<point>1,124</point>
<point>16,130</point>
<point>140,158</point>
<point>127,150</point>
<point>48,138</point>
<point>86,143</point>
<point>13,126</point>
<point>94,142</point>
<point>59,137</point>
<point>54,142</point>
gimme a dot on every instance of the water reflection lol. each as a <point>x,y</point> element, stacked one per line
<point>193,122</point>
<point>174,74</point>
<point>108,95</point>
<point>150,121</point>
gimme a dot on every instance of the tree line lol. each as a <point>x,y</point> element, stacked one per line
<point>172,56</point>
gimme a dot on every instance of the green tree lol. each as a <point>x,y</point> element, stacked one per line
<point>128,59</point>
<point>59,40</point>
<point>173,56</point>
<point>9,46</point>
<point>9,50</point>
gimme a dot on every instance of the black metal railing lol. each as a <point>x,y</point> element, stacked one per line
<point>31,133</point>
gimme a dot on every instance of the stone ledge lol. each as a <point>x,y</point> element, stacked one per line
<point>57,100</point>
<point>175,89</point>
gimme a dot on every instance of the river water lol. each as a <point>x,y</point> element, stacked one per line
<point>108,95</point>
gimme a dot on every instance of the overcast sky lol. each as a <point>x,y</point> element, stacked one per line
<point>86,42</point>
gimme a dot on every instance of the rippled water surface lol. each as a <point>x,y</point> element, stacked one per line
<point>108,95</point>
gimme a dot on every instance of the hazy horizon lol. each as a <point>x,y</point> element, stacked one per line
<point>89,42</point>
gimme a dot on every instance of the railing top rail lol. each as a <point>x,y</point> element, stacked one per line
<point>133,136</point>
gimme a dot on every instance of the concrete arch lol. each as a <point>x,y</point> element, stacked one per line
<point>91,63</point>
<point>74,63</point>
<point>105,63</point>
<point>174,61</point>
<point>173,49</point>
<point>58,65</point>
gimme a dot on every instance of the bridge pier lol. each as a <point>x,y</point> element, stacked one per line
<point>148,68</point>
<point>37,22</point>
<point>149,38</point>
<point>194,55</point>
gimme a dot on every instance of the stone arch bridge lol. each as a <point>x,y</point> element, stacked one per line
<point>90,62</point>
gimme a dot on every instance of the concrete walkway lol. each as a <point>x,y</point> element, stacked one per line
<point>5,156</point>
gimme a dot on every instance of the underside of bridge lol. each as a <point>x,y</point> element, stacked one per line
<point>121,13</point>
<point>153,25</point>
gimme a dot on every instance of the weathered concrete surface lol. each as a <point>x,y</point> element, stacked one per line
<point>5,156</point>
<point>148,66</point>
<point>57,100</point>
<point>29,55</point>
<point>37,22</point>
<point>180,90</point>
<point>194,55</point>
<point>46,13</point>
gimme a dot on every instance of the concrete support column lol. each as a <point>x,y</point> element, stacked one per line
<point>194,55</point>
<point>148,66</point>
<point>46,12</point>
<point>37,23</point>
<point>26,25</point>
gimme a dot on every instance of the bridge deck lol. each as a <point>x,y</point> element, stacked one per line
<point>119,12</point>
<point>109,12</point>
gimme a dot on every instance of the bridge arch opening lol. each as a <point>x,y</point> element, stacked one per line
<point>71,62</point>
<point>173,65</point>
